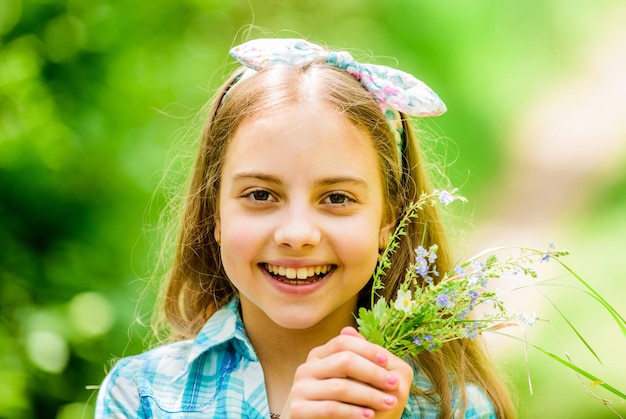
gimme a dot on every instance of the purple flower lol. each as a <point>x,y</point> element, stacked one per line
<point>421,266</point>
<point>420,252</point>
<point>432,256</point>
<point>477,266</point>
<point>446,197</point>
<point>471,331</point>
<point>443,300</point>
<point>459,270</point>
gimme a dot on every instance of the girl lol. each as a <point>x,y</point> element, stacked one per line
<point>306,163</point>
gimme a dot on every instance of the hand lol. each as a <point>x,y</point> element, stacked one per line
<point>349,377</point>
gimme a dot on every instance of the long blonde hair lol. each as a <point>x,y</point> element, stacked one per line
<point>198,285</point>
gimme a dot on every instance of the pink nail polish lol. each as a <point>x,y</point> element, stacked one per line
<point>381,358</point>
<point>389,400</point>
<point>367,413</point>
<point>392,379</point>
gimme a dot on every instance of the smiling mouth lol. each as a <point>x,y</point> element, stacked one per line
<point>298,276</point>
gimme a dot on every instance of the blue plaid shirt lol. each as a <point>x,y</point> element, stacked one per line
<point>217,375</point>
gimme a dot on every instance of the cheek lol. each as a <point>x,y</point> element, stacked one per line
<point>357,247</point>
<point>239,236</point>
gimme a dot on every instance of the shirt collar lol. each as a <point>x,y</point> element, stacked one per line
<point>224,326</point>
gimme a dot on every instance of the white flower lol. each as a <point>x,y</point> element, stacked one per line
<point>404,301</point>
<point>527,320</point>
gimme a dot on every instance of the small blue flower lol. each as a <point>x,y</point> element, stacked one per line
<point>477,266</point>
<point>421,266</point>
<point>432,347</point>
<point>471,331</point>
<point>428,338</point>
<point>459,270</point>
<point>473,294</point>
<point>474,279</point>
<point>417,340</point>
<point>420,252</point>
<point>443,300</point>
<point>432,257</point>
<point>446,197</point>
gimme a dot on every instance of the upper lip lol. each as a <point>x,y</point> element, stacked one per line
<point>297,263</point>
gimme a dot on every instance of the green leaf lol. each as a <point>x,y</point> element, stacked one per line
<point>571,366</point>
<point>612,311</point>
<point>380,309</point>
<point>369,326</point>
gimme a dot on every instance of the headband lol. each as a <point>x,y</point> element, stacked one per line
<point>394,90</point>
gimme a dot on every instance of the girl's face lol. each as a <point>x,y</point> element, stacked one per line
<point>300,216</point>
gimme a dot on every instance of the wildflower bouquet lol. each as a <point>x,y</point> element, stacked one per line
<point>432,308</point>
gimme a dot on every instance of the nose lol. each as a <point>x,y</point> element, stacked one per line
<point>297,228</point>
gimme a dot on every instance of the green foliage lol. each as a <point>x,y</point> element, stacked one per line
<point>432,308</point>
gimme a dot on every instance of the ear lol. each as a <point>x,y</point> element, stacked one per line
<point>383,236</point>
<point>217,231</point>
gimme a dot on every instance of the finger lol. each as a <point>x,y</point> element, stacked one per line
<point>327,409</point>
<point>384,358</point>
<point>350,365</point>
<point>345,391</point>
<point>351,331</point>
<point>348,342</point>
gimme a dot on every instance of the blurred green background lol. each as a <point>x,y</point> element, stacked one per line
<point>96,96</point>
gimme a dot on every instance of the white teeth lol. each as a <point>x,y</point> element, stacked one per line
<point>298,273</point>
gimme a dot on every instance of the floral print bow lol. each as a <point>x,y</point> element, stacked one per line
<point>392,88</point>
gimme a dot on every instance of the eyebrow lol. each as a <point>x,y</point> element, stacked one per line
<point>257,176</point>
<point>321,182</point>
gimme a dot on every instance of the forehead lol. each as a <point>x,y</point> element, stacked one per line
<point>304,133</point>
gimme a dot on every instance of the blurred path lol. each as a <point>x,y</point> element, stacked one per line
<point>569,142</point>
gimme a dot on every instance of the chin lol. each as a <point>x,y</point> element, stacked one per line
<point>300,319</point>
<point>298,322</point>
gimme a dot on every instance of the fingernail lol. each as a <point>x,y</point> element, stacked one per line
<point>381,358</point>
<point>390,400</point>
<point>392,379</point>
<point>368,413</point>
